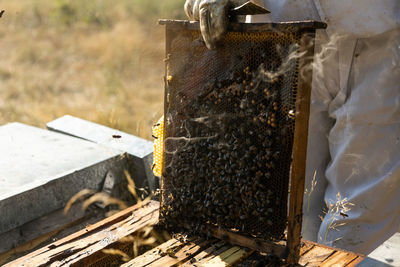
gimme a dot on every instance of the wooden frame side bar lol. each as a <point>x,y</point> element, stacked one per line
<point>298,171</point>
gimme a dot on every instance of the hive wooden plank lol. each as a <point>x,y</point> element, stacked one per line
<point>356,261</point>
<point>228,257</point>
<point>83,248</point>
<point>183,254</point>
<point>52,227</point>
<point>208,253</point>
<point>221,253</point>
<point>238,256</point>
<point>171,253</point>
<point>316,256</point>
<point>338,259</point>
<point>85,243</point>
<point>306,246</point>
<point>107,238</point>
<point>352,258</point>
<point>214,254</point>
<point>152,255</point>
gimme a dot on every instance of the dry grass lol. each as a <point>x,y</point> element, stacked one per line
<point>141,240</point>
<point>100,60</point>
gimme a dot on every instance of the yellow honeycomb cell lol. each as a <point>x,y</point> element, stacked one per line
<point>158,155</point>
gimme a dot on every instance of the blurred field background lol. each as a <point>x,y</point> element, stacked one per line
<point>100,60</point>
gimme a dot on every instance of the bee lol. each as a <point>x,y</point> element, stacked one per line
<point>170,252</point>
<point>291,114</point>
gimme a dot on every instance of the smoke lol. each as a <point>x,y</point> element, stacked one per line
<point>288,60</point>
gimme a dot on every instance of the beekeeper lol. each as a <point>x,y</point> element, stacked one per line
<point>354,130</point>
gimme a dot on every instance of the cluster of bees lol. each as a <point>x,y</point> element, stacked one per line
<point>225,165</point>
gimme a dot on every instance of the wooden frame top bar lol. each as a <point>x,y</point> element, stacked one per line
<point>308,25</point>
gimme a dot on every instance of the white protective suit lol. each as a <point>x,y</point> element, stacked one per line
<point>354,130</point>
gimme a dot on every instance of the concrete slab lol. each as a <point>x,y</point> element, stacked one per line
<point>388,254</point>
<point>41,170</point>
<point>140,150</point>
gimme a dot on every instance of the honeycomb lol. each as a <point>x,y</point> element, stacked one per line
<point>228,134</point>
<point>158,154</point>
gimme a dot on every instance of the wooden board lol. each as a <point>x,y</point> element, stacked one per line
<point>314,254</point>
<point>83,244</point>
<point>219,253</point>
<point>45,230</point>
<point>84,248</point>
<point>198,252</point>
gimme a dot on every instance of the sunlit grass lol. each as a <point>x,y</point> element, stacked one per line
<point>99,60</point>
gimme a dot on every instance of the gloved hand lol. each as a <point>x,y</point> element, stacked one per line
<point>213,17</point>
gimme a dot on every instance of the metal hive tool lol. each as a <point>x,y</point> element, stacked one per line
<point>236,121</point>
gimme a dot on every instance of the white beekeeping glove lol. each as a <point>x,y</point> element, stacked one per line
<point>213,17</point>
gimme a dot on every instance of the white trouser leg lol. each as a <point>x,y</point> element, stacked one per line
<point>365,151</point>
